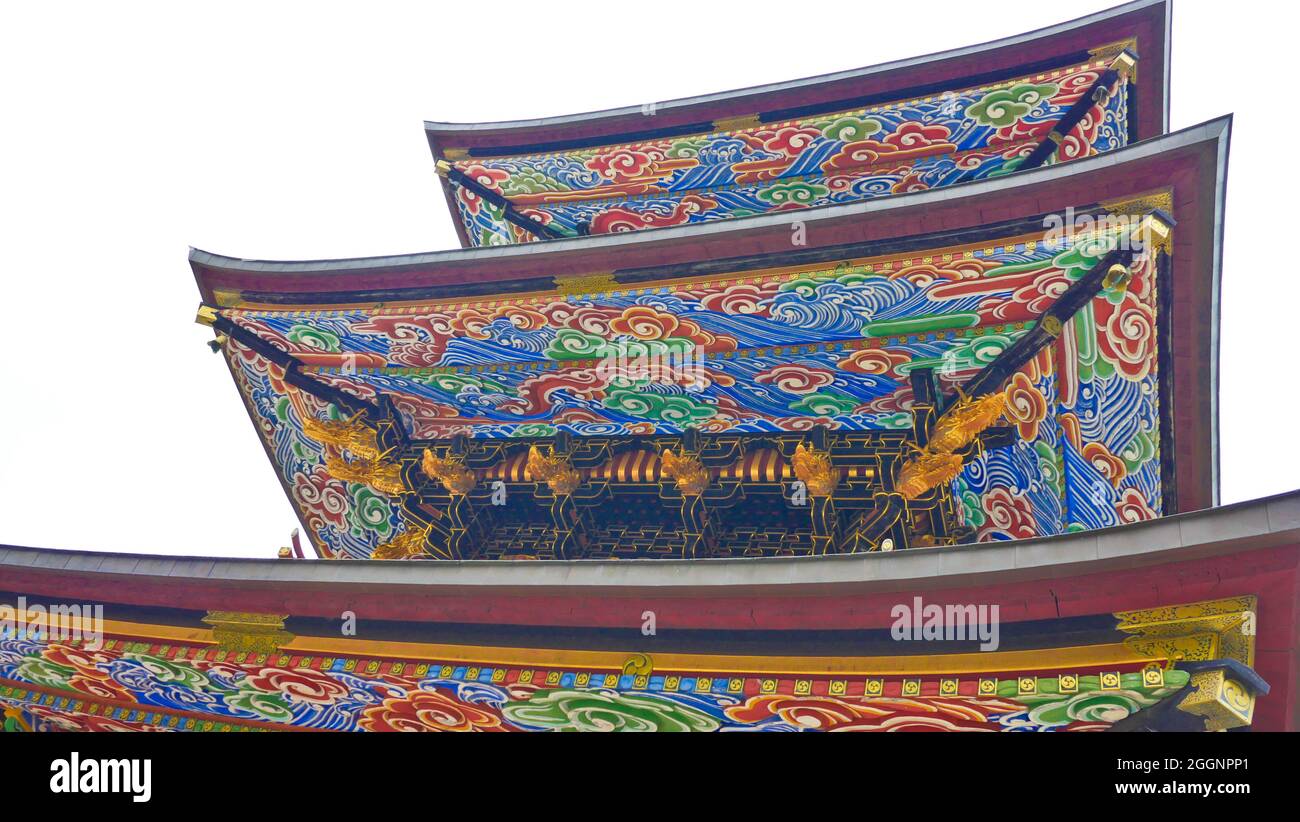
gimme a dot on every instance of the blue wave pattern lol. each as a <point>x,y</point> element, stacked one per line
<point>957,136</point>
<point>457,697</point>
<point>764,354</point>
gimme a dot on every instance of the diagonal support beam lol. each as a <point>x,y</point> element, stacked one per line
<point>1109,271</point>
<point>1122,66</point>
<point>513,215</point>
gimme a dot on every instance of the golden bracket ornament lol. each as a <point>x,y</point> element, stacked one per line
<point>1125,65</point>
<point>381,475</point>
<point>248,633</point>
<point>927,471</point>
<point>1202,632</point>
<point>690,475</point>
<point>451,472</point>
<point>410,543</point>
<point>813,468</point>
<point>1111,51</point>
<point>1220,698</point>
<point>207,315</point>
<point>553,470</point>
<point>957,428</point>
<point>1199,632</point>
<point>350,433</point>
<point>962,424</point>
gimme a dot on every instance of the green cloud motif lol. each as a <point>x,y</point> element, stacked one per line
<point>824,404</point>
<point>1005,106</point>
<point>850,129</point>
<point>565,710</point>
<point>671,408</point>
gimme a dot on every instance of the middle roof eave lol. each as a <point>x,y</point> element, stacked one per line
<point>959,207</point>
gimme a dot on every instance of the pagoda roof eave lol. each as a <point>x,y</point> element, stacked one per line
<point>1192,164</point>
<point>902,76</point>
<point>158,579</point>
<point>206,264</point>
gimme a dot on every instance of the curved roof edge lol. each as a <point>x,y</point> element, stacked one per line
<point>1257,523</point>
<point>702,107</point>
<point>1212,130</point>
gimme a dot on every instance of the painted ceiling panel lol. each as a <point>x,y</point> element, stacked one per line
<point>947,138</point>
<point>774,350</point>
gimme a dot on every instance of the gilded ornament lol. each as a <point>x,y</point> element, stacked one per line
<point>237,631</point>
<point>553,470</point>
<point>381,475</point>
<point>639,665</point>
<point>351,434</point>
<point>927,471</point>
<point>737,123</point>
<point>691,477</point>
<point>585,284</point>
<point>1112,50</point>
<point>1141,205</point>
<point>1118,275</point>
<point>1196,632</point>
<point>813,468</point>
<point>451,472</point>
<point>207,315</point>
<point>1220,699</point>
<point>410,543</point>
<point>964,422</point>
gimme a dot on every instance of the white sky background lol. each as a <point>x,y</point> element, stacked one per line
<point>129,131</point>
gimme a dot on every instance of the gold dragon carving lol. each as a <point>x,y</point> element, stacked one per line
<point>554,470</point>
<point>690,475</point>
<point>813,468</point>
<point>451,472</point>
<point>957,428</point>
<point>350,434</point>
<point>408,544</point>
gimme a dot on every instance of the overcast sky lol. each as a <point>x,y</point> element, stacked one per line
<point>293,131</point>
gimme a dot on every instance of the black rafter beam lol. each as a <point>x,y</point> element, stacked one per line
<point>292,370</point>
<point>1052,321</point>
<point>1076,113</point>
<point>1048,327</point>
<point>513,215</point>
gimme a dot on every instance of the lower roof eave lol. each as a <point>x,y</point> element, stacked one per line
<point>1270,522</point>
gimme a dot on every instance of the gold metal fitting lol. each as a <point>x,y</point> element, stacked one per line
<point>218,343</point>
<point>207,315</point>
<point>1156,234</point>
<point>442,167</point>
<point>1052,325</point>
<point>1126,65</point>
<point>1117,277</point>
<point>736,123</point>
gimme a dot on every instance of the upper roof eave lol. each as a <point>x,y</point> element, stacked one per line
<point>1010,51</point>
